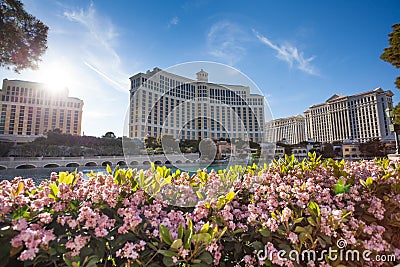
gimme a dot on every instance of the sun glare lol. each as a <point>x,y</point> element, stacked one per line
<point>55,76</point>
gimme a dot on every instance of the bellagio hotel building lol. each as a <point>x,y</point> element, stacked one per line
<point>29,110</point>
<point>162,103</point>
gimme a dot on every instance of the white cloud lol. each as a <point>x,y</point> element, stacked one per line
<point>98,46</point>
<point>174,21</point>
<point>290,54</point>
<point>225,42</point>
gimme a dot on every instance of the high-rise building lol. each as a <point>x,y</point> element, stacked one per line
<point>165,103</point>
<point>290,130</point>
<point>361,116</point>
<point>30,109</point>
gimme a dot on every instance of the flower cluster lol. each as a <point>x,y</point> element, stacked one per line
<point>210,219</point>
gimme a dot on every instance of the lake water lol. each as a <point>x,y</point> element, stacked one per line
<point>40,174</point>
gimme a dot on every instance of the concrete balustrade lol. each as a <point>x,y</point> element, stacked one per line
<point>131,161</point>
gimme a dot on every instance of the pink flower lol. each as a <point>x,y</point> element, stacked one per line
<point>293,238</point>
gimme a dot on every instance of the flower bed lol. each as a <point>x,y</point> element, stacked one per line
<point>269,217</point>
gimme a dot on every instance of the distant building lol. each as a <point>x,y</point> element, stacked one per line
<point>361,116</point>
<point>300,152</point>
<point>351,149</point>
<point>289,130</point>
<point>225,149</point>
<point>29,110</point>
<point>165,103</point>
<point>279,152</point>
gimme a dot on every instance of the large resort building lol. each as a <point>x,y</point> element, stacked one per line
<point>361,117</point>
<point>165,103</point>
<point>29,110</point>
<point>289,130</point>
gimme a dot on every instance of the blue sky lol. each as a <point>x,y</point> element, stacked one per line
<point>299,53</point>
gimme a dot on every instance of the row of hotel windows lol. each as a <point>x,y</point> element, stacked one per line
<point>28,92</point>
<point>21,120</point>
<point>191,135</point>
<point>47,102</point>
<point>187,91</point>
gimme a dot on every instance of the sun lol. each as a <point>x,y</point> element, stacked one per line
<point>56,76</point>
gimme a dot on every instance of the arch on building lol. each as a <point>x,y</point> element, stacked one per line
<point>157,162</point>
<point>167,162</point>
<point>51,165</point>
<point>121,163</point>
<point>90,164</point>
<point>105,163</point>
<point>25,166</point>
<point>3,167</point>
<point>188,161</point>
<point>134,163</point>
<point>178,162</point>
<point>146,162</point>
<point>72,164</point>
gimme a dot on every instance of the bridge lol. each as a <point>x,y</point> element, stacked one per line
<point>52,162</point>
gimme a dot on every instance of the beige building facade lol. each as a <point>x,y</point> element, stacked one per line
<point>289,130</point>
<point>30,109</point>
<point>361,117</point>
<point>165,103</point>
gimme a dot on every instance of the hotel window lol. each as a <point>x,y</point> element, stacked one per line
<point>54,119</point>
<point>29,126</point>
<point>46,118</point>
<point>76,118</point>
<point>38,116</point>
<point>68,130</point>
<point>21,120</point>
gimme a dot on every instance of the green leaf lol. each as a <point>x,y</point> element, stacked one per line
<point>202,237</point>
<point>187,240</point>
<point>167,253</point>
<point>117,171</point>
<point>201,264</point>
<point>206,257</point>
<point>230,196</point>
<point>165,234</point>
<point>180,231</point>
<point>298,220</point>
<point>177,244</point>
<point>108,169</point>
<point>314,208</point>
<point>204,228</point>
<point>265,232</point>
<point>369,181</point>
<point>66,178</point>
<point>168,261</point>
<point>311,221</point>
<point>299,229</point>
<point>304,236</point>
<point>54,189</point>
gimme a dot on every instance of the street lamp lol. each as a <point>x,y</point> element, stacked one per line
<point>390,115</point>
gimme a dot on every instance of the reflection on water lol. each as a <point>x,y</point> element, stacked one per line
<point>40,174</point>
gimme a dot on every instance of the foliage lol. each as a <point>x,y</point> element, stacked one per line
<point>58,144</point>
<point>396,112</point>
<point>328,151</point>
<point>23,37</point>
<point>125,218</point>
<point>373,148</point>
<point>391,54</point>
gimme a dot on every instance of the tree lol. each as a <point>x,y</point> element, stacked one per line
<point>373,148</point>
<point>391,54</point>
<point>109,135</point>
<point>396,112</point>
<point>23,38</point>
<point>328,151</point>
